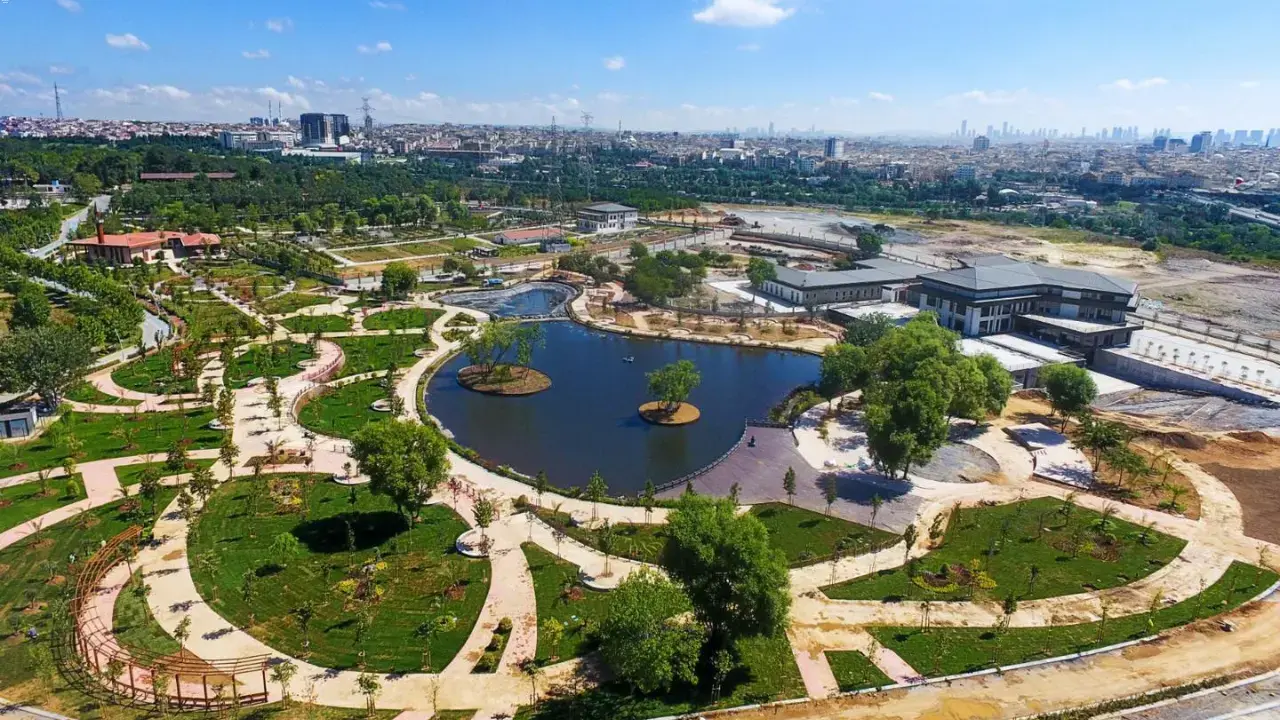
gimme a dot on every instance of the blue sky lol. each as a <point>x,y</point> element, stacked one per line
<point>848,65</point>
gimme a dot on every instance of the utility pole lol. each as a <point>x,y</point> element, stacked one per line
<point>368,118</point>
<point>57,100</point>
<point>586,120</point>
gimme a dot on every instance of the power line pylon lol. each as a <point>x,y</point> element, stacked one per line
<point>586,120</point>
<point>367,109</point>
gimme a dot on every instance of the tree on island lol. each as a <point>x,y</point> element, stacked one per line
<point>672,384</point>
<point>398,279</point>
<point>405,462</point>
<point>490,348</point>
<point>46,360</point>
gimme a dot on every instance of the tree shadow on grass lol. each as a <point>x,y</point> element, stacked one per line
<point>329,535</point>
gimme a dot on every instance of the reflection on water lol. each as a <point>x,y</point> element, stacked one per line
<point>588,419</point>
<point>527,300</point>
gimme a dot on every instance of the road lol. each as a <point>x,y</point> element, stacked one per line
<point>101,202</point>
<point>1254,699</point>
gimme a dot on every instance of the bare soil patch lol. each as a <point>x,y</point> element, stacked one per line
<point>659,414</point>
<point>503,380</point>
<point>1252,472</point>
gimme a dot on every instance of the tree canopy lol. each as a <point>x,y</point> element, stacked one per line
<point>656,278</point>
<point>405,462</point>
<point>496,341</point>
<point>647,638</point>
<point>398,280</point>
<point>46,360</point>
<point>673,383</point>
<point>1070,389</point>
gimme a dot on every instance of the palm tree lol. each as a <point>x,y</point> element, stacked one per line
<point>282,673</point>
<point>369,687</point>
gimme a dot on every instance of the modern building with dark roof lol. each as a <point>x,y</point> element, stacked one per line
<point>607,217</point>
<point>870,280</point>
<point>995,294</point>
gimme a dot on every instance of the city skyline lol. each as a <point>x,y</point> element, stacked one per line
<point>757,62</point>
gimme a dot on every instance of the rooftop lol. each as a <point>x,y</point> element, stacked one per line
<point>532,233</point>
<point>609,207</point>
<point>1079,326</point>
<point>996,272</point>
<point>148,239</point>
<point>881,271</point>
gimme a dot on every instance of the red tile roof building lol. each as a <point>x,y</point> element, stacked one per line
<point>122,249</point>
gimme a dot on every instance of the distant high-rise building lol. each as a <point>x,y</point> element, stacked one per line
<point>1004,129</point>
<point>964,128</point>
<point>1239,137</point>
<point>981,143</point>
<point>1084,131</point>
<point>1255,137</point>
<point>965,173</point>
<point>1160,142</point>
<point>1201,142</point>
<point>834,148</point>
<point>770,128</point>
<point>320,129</point>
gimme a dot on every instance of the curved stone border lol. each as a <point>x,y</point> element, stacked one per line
<point>470,544</point>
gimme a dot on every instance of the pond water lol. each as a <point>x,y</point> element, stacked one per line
<point>528,300</point>
<point>588,419</point>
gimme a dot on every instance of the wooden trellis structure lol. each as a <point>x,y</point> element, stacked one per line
<point>175,682</point>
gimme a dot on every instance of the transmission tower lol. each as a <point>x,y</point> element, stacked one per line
<point>57,100</point>
<point>368,118</point>
<point>586,120</point>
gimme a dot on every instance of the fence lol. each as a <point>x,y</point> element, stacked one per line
<point>138,677</point>
<point>1253,345</point>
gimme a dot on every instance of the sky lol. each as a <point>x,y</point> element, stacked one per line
<point>853,66</point>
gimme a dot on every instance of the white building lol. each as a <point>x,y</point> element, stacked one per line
<point>607,217</point>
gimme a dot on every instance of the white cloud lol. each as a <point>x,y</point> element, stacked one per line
<point>749,47</point>
<point>1250,84</point>
<point>428,97</point>
<point>69,5</point>
<point>988,97</point>
<point>882,97</point>
<point>168,91</point>
<point>284,98</point>
<point>617,62</point>
<point>1128,85</point>
<point>61,69</point>
<point>410,77</point>
<point>381,5</point>
<point>611,97</point>
<point>743,13</point>
<point>138,94</point>
<point>21,78</point>
<point>255,54</point>
<point>382,47</point>
<point>127,41</point>
<point>297,83</point>
<point>279,25</point>
<point>6,90</point>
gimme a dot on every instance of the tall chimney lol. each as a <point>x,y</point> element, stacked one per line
<point>102,237</point>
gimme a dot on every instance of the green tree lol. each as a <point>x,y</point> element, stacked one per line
<point>398,279</point>
<point>869,244</point>
<point>31,309</point>
<point>647,638</point>
<point>906,423</point>
<point>45,360</point>
<point>282,673</point>
<point>672,384</point>
<point>736,580</point>
<point>638,250</point>
<point>596,491</point>
<point>844,369</point>
<point>789,484</point>
<point>865,331</point>
<point>759,272</point>
<point>998,384</point>
<point>1100,436</point>
<point>483,513</point>
<point>405,462</point>
<point>1070,389</point>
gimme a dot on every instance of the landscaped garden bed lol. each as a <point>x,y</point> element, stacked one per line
<point>855,671</point>
<point>341,411</point>
<point>369,580</point>
<point>376,352</point>
<point>807,537</point>
<point>155,374</point>
<point>311,324</point>
<point>291,302</point>
<point>403,319</point>
<point>1031,549</point>
<point>503,379</point>
<point>30,500</point>
<point>276,359</point>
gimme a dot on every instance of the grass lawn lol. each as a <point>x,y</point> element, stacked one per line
<point>107,436</point>
<point>635,541</point>
<point>402,319</point>
<point>218,318</point>
<point>808,537</point>
<point>290,302</point>
<point>20,503</point>
<point>342,411</point>
<point>1005,542</point>
<point>423,579</point>
<point>135,627</point>
<point>855,671</point>
<point>311,323</point>
<point>576,609</point>
<point>154,374</point>
<point>367,354</point>
<point>85,392</point>
<point>35,572</point>
<point>279,358</point>
<point>132,474</point>
<point>945,651</point>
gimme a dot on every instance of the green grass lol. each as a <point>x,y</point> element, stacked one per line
<point>132,474</point>
<point>855,671</point>
<point>947,651</point>
<point>234,538</point>
<point>551,576</point>
<point>28,595</point>
<point>402,319</point>
<point>461,320</point>
<point>635,541</point>
<point>341,411</point>
<point>291,302</point>
<point>312,323</point>
<point>136,628</point>
<point>367,354</point>
<point>218,318</point>
<point>155,432</point>
<point>154,374</point>
<point>975,531</point>
<point>454,714</point>
<point>85,392</point>
<point>280,359</point>
<point>20,503</point>
<point>808,537</point>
